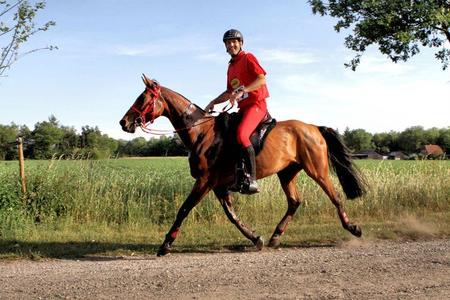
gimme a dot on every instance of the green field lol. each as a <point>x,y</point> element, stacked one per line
<point>75,208</point>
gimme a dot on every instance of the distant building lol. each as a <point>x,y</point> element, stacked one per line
<point>397,155</point>
<point>433,151</point>
<point>364,154</point>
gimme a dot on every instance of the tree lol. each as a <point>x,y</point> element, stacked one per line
<point>70,141</point>
<point>47,136</point>
<point>90,137</point>
<point>381,142</point>
<point>431,135</point>
<point>162,146</point>
<point>412,138</point>
<point>136,147</point>
<point>444,139</point>
<point>398,27</point>
<point>358,139</point>
<point>95,144</point>
<point>387,141</point>
<point>16,27</point>
<point>8,135</point>
<point>158,146</point>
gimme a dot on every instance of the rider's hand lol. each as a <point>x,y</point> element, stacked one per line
<point>209,107</point>
<point>236,95</point>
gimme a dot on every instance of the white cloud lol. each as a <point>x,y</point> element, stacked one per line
<point>214,57</point>
<point>297,83</point>
<point>377,64</point>
<point>169,46</point>
<point>281,56</point>
<point>287,56</point>
<point>138,50</point>
<point>379,103</point>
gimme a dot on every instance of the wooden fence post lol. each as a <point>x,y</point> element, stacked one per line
<point>22,165</point>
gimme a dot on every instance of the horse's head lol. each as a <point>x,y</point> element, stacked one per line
<point>147,107</point>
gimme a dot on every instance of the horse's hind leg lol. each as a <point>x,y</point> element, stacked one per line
<point>288,179</point>
<point>226,201</point>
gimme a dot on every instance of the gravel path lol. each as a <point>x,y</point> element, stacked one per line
<point>353,270</point>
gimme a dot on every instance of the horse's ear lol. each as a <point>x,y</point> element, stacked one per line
<point>147,81</point>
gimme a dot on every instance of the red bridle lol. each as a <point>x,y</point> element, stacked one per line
<point>150,107</point>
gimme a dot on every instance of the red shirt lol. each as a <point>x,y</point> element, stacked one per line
<point>243,70</point>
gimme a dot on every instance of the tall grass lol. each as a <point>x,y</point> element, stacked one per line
<point>137,199</point>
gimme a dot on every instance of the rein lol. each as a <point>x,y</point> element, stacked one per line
<point>149,130</point>
<point>150,108</point>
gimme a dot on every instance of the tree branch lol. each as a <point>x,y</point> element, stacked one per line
<point>447,33</point>
<point>7,52</point>
<point>3,33</point>
<point>444,30</point>
<point>20,31</point>
<point>11,7</point>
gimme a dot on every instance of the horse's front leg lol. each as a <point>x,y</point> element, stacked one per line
<point>226,201</point>
<point>199,190</point>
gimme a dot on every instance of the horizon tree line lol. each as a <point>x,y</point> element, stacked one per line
<point>50,139</point>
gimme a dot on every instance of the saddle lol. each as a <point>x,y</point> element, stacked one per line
<point>228,124</point>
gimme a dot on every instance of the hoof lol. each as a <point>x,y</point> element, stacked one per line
<point>274,242</point>
<point>163,250</point>
<point>355,230</point>
<point>259,243</point>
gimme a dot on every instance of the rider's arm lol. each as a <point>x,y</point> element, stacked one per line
<point>256,84</point>
<point>220,99</point>
<point>233,96</point>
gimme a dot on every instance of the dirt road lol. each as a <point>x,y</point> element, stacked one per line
<point>354,270</point>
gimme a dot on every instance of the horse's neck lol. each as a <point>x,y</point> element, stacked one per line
<point>183,115</point>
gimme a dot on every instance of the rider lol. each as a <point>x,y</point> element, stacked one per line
<point>246,85</point>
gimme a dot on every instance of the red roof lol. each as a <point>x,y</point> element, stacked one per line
<point>432,149</point>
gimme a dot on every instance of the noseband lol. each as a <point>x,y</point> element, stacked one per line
<point>150,107</point>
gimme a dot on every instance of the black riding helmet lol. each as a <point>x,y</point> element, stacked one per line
<point>233,34</point>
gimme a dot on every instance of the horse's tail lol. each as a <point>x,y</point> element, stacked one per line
<point>341,162</point>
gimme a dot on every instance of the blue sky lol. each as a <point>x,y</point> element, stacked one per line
<point>105,46</point>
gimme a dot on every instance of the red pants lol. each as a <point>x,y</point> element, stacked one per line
<point>251,117</point>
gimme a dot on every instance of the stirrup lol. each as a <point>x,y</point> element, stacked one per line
<point>250,187</point>
<point>245,186</point>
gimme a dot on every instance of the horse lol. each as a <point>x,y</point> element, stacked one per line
<point>290,147</point>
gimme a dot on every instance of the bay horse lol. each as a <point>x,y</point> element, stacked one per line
<point>290,147</point>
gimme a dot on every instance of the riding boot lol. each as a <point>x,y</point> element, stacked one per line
<point>250,164</point>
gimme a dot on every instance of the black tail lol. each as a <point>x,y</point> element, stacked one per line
<point>341,162</point>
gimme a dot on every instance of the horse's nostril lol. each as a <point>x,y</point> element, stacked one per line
<point>123,123</point>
